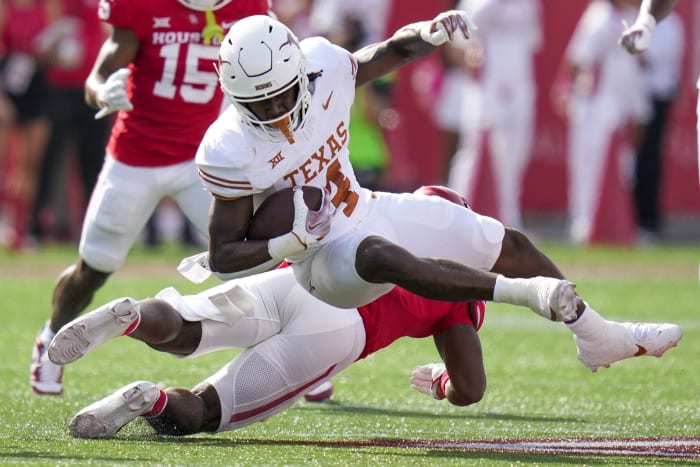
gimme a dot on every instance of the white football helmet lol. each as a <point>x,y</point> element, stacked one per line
<point>261,58</point>
<point>202,5</point>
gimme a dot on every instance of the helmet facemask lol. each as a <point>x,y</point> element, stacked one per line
<point>260,59</point>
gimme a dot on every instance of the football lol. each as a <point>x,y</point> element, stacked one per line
<point>275,215</point>
<point>443,192</point>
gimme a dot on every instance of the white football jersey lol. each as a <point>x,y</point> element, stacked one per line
<point>234,161</point>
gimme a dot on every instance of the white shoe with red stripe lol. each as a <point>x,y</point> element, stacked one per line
<point>93,329</point>
<point>106,417</point>
<point>45,377</point>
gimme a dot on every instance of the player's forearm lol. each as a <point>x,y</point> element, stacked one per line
<point>405,46</point>
<point>91,85</point>
<point>234,257</point>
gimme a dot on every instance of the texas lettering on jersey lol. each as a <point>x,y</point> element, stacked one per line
<point>325,158</point>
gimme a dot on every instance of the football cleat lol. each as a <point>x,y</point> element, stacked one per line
<point>430,379</point>
<point>45,377</point>
<point>612,341</point>
<point>320,393</point>
<point>106,417</point>
<point>86,332</point>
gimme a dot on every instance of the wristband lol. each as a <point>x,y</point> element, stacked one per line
<point>284,246</point>
<point>645,20</point>
<point>439,387</point>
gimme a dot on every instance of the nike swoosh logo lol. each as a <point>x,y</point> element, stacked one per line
<point>328,101</point>
<point>227,24</point>
<point>640,351</point>
<point>313,226</point>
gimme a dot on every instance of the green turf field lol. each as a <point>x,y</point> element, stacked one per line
<point>537,390</point>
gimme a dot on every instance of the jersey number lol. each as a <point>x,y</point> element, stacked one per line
<point>197,86</point>
<point>334,176</point>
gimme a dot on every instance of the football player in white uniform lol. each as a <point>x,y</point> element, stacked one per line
<point>287,126</point>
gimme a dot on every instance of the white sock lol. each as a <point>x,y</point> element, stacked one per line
<point>588,324</point>
<point>514,291</point>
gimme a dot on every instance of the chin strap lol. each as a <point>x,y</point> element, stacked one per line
<point>283,125</point>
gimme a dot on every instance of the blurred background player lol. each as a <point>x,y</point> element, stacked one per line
<point>24,122</point>
<point>662,70</point>
<point>600,90</point>
<point>498,110</point>
<point>449,112</point>
<point>155,69</point>
<point>75,150</point>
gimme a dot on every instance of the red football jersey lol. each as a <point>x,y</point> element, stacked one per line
<point>400,313</point>
<point>173,85</point>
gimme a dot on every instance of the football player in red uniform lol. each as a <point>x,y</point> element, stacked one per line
<point>155,69</point>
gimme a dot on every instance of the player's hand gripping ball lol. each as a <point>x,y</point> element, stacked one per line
<point>275,215</point>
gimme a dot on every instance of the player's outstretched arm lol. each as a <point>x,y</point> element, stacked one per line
<point>409,43</point>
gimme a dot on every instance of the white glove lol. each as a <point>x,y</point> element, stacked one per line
<point>430,379</point>
<point>636,38</point>
<point>196,267</point>
<point>445,24</point>
<point>309,227</point>
<point>111,95</point>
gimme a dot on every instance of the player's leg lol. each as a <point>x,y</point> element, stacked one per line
<point>519,257</point>
<point>152,321</point>
<point>119,207</point>
<point>378,260</point>
<point>600,342</point>
<point>273,375</point>
<point>173,411</point>
<point>186,325</point>
<point>123,200</point>
<point>316,343</point>
<point>187,412</point>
